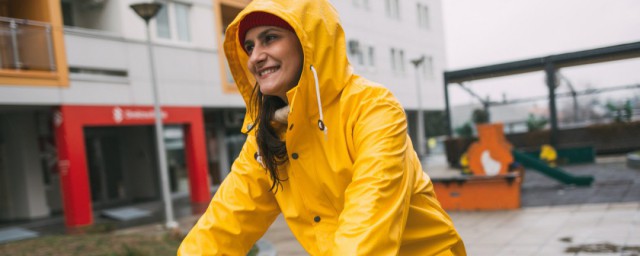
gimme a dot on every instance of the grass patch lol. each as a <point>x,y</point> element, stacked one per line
<point>95,244</point>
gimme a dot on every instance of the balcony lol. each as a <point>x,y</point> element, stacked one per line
<point>26,45</point>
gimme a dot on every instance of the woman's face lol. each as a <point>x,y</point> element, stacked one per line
<point>275,59</point>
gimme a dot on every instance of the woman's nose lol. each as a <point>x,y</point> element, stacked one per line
<point>257,57</point>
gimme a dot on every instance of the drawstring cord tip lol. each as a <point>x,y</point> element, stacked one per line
<point>323,128</point>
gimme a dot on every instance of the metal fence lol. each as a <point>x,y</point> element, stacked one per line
<point>26,45</point>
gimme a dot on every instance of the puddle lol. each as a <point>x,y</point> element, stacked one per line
<point>604,248</point>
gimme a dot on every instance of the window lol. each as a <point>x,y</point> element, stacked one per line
<point>372,57</point>
<point>427,67</point>
<point>67,13</point>
<point>393,9</point>
<point>360,54</point>
<point>401,61</point>
<point>172,22</point>
<point>94,15</point>
<point>354,50</point>
<point>423,16</point>
<point>182,22</point>
<point>362,3</point>
<point>397,61</point>
<point>360,58</point>
<point>393,60</point>
<point>163,29</point>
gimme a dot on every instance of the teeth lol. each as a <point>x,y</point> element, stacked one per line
<point>268,71</point>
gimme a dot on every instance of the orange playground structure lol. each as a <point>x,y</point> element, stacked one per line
<point>494,183</point>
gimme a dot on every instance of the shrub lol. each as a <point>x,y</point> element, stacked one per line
<point>465,130</point>
<point>536,123</point>
<point>621,113</point>
<point>480,116</point>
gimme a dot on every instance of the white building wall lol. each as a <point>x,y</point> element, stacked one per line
<point>188,72</point>
<point>29,95</point>
<point>373,27</point>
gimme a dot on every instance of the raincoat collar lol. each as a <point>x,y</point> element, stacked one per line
<point>318,28</point>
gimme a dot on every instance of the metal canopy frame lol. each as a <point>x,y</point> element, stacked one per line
<point>549,64</point>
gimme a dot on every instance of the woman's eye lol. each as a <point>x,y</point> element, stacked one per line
<point>248,48</point>
<point>269,38</point>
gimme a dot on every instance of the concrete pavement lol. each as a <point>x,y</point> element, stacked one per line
<point>555,230</point>
<point>603,219</point>
<point>587,229</point>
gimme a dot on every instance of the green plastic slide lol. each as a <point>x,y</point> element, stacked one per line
<point>554,173</point>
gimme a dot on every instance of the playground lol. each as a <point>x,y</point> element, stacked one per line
<point>486,161</point>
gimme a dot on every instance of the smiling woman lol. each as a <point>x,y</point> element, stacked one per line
<point>325,147</point>
<point>275,58</point>
<point>275,61</point>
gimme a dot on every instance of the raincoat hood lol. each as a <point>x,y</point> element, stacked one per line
<point>318,28</point>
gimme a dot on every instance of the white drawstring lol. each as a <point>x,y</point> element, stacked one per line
<point>321,124</point>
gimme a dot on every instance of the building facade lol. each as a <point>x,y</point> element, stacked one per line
<point>76,115</point>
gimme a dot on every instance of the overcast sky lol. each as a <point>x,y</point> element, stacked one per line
<point>483,32</point>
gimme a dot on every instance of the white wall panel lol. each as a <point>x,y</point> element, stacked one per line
<point>96,93</point>
<point>373,27</point>
<point>29,95</point>
<point>181,94</point>
<point>87,49</point>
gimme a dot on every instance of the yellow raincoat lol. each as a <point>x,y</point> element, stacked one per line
<point>354,188</point>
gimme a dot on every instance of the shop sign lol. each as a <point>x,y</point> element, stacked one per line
<point>125,114</point>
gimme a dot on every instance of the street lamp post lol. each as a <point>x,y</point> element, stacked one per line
<point>147,11</point>
<point>420,122</point>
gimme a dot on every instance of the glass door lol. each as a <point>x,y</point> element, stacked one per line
<point>105,167</point>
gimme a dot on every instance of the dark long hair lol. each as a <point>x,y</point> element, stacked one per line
<point>273,151</point>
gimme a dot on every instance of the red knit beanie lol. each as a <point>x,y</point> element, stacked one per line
<point>256,19</point>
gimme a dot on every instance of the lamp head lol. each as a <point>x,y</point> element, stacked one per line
<point>146,11</point>
<point>418,61</point>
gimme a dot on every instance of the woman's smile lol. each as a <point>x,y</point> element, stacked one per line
<point>266,71</point>
<point>275,59</point>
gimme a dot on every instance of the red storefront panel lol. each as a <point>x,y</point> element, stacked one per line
<point>69,124</point>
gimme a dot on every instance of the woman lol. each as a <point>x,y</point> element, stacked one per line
<point>326,148</point>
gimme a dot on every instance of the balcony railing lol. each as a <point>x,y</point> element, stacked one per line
<point>26,45</point>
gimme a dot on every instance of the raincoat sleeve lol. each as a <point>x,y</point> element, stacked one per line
<point>377,199</point>
<point>241,211</point>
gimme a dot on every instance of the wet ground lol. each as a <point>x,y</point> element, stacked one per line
<point>556,219</point>
<point>579,229</point>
